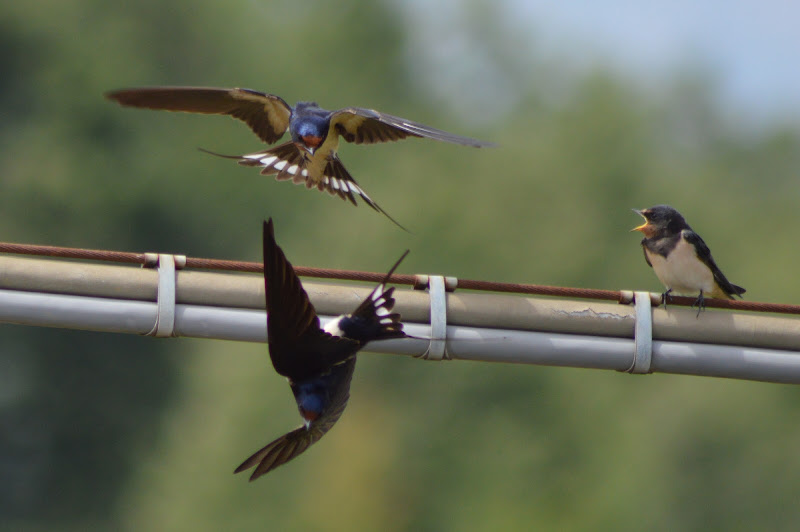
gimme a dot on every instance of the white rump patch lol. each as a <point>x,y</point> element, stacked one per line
<point>332,327</point>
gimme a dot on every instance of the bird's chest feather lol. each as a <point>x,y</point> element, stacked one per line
<point>316,163</point>
<point>681,270</point>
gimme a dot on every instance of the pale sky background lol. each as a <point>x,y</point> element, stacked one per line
<point>750,49</point>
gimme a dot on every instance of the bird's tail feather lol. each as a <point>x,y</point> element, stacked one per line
<point>286,162</point>
<point>377,309</point>
<point>223,155</point>
<point>279,451</point>
<point>341,179</point>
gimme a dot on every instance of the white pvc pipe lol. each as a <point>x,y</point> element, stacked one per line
<point>751,363</point>
<point>463,307</point>
<point>77,312</point>
<point>464,343</point>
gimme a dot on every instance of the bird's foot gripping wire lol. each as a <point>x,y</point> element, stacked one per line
<point>700,302</point>
<point>665,298</point>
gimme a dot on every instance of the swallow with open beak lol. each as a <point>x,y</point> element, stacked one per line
<point>310,156</point>
<point>317,361</point>
<point>680,259</point>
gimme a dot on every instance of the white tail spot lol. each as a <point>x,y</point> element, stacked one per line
<point>266,161</point>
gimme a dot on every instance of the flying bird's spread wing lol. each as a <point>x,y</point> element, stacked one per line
<point>266,114</point>
<point>298,347</point>
<point>294,443</point>
<point>367,126</point>
<point>704,254</point>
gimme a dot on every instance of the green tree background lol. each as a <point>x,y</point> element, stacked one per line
<point>104,431</point>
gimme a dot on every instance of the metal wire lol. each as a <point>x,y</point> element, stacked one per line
<point>404,279</point>
<point>72,253</point>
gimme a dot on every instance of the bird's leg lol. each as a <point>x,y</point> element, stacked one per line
<point>701,304</point>
<point>665,298</point>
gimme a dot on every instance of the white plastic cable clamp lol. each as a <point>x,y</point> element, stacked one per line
<point>437,349</point>
<point>643,334</point>
<point>166,264</point>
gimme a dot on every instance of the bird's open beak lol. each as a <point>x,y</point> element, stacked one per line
<point>641,228</point>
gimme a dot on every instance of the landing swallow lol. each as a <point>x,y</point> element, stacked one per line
<point>311,155</point>
<point>680,259</point>
<point>318,362</point>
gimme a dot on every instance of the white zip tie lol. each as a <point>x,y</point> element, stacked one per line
<point>642,334</point>
<point>437,287</point>
<point>166,264</point>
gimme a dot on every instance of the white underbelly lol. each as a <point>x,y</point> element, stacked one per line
<point>682,271</point>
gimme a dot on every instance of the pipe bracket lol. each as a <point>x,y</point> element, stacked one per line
<point>167,266</point>
<point>643,334</point>
<point>437,287</point>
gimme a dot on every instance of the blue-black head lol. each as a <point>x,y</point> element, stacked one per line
<point>315,395</point>
<point>661,220</point>
<point>309,126</point>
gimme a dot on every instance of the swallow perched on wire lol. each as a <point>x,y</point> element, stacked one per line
<point>680,259</point>
<point>310,156</point>
<point>318,362</point>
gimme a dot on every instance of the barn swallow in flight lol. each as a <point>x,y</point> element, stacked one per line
<point>681,260</point>
<point>310,156</point>
<point>318,362</point>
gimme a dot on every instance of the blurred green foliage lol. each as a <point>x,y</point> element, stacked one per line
<point>111,432</point>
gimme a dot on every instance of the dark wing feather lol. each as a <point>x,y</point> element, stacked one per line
<point>293,444</point>
<point>266,114</point>
<point>704,254</point>
<point>644,249</point>
<point>298,347</point>
<point>367,126</point>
